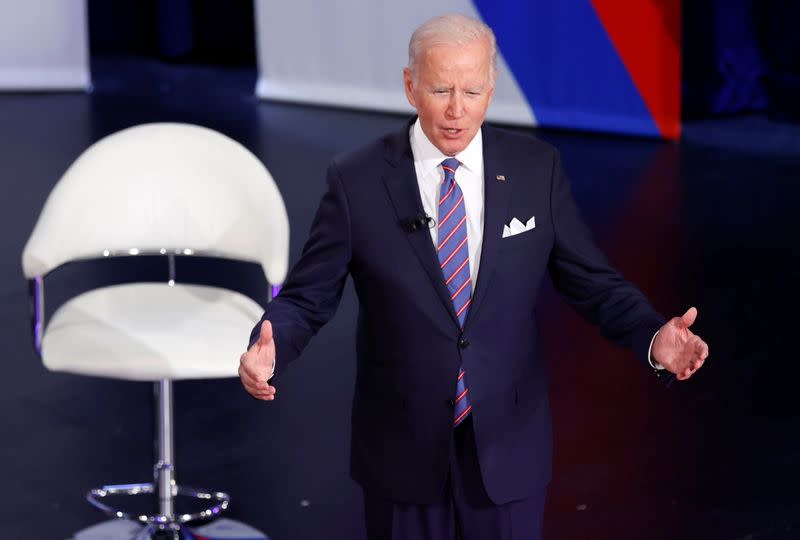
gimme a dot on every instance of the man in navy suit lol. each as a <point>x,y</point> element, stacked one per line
<point>447,228</point>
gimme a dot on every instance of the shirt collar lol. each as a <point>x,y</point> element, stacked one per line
<point>428,157</point>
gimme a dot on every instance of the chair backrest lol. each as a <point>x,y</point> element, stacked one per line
<point>164,186</point>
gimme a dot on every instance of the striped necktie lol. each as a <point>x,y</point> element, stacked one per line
<point>454,261</point>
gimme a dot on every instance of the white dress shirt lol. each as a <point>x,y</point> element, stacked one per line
<point>469,176</point>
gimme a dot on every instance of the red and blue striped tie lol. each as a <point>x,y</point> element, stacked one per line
<point>454,261</point>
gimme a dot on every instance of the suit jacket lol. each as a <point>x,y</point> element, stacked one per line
<point>409,344</point>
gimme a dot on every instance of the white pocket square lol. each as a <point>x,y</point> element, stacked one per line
<point>516,227</point>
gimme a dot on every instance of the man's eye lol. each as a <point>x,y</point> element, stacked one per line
<point>440,92</point>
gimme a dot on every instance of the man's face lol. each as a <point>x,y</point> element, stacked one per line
<point>451,93</point>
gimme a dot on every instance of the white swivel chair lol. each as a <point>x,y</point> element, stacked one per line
<point>168,189</point>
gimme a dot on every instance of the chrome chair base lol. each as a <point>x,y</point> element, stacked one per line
<point>165,522</point>
<point>125,529</point>
<point>221,501</point>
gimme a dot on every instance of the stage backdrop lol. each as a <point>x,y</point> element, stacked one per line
<point>586,64</point>
<point>43,45</point>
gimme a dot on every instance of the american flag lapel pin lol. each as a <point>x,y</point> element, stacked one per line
<point>501,178</point>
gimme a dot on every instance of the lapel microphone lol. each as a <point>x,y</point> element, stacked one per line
<point>418,222</point>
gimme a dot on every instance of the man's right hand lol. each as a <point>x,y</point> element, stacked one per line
<point>257,365</point>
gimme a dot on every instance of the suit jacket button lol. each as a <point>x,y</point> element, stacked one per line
<point>463,342</point>
<point>450,403</point>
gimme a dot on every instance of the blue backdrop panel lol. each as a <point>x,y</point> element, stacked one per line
<point>566,65</point>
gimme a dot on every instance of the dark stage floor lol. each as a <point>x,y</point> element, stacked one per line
<point>709,222</point>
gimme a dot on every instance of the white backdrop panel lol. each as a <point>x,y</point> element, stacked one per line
<point>43,45</point>
<point>351,53</point>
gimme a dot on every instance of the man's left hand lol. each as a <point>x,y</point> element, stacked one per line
<point>678,349</point>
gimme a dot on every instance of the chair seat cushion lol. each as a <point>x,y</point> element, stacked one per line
<point>151,331</point>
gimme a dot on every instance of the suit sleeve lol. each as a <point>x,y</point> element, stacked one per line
<point>583,276</point>
<point>314,286</point>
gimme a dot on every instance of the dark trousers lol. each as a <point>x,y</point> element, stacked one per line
<point>464,511</point>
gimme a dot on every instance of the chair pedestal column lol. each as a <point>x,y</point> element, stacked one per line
<point>164,485</point>
<point>164,469</point>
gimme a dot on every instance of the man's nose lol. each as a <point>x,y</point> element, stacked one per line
<point>455,107</point>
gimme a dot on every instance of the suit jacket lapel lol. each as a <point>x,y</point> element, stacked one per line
<point>497,195</point>
<point>400,179</point>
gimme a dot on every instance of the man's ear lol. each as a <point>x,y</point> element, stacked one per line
<point>491,92</point>
<point>408,86</point>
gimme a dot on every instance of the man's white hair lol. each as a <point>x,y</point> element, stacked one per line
<point>451,29</point>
